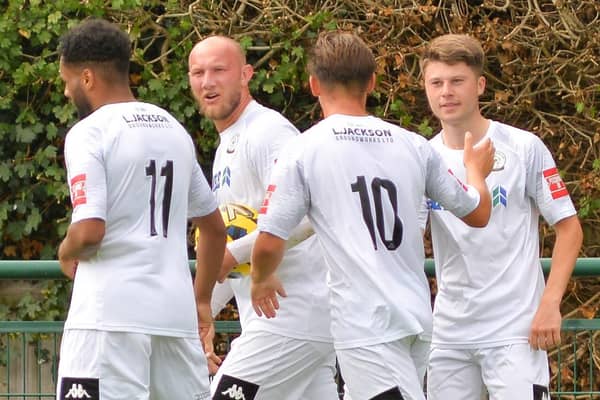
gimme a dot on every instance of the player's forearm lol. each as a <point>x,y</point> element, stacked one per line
<point>569,237</point>
<point>82,240</point>
<point>481,215</point>
<point>267,253</point>
<point>241,249</point>
<point>209,255</point>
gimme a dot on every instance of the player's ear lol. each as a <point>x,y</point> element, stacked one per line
<point>315,86</point>
<point>481,85</point>
<point>371,84</point>
<point>247,72</point>
<point>88,78</point>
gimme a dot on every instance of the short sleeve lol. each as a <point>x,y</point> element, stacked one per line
<point>201,199</point>
<point>222,293</point>
<point>545,185</point>
<point>265,146</point>
<point>443,187</point>
<point>287,199</point>
<point>423,214</point>
<point>86,173</point>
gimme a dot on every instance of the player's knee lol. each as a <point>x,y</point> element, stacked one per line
<point>392,394</point>
<point>230,387</point>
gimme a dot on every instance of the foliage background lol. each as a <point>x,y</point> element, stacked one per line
<point>543,75</point>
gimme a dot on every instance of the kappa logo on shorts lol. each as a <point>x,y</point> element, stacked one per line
<point>231,388</point>
<point>79,388</point>
<point>392,394</point>
<point>540,392</point>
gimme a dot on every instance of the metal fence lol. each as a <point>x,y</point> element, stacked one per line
<point>29,349</point>
<point>29,356</point>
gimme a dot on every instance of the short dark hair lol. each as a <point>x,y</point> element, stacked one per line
<point>342,58</point>
<point>96,41</point>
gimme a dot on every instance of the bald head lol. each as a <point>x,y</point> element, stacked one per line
<point>219,44</point>
<point>219,79</point>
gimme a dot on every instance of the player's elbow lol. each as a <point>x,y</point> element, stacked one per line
<point>88,233</point>
<point>478,218</point>
<point>570,229</point>
<point>267,248</point>
<point>212,228</point>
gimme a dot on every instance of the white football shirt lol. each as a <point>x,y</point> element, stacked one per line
<point>490,279</point>
<point>361,181</point>
<point>134,166</point>
<point>243,162</point>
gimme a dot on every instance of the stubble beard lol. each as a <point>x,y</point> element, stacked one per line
<point>82,104</point>
<point>222,112</point>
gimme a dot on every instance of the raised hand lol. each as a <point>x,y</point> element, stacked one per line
<point>478,157</point>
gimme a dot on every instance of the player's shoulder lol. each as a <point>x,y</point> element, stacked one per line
<point>89,127</point>
<point>406,137</point>
<point>266,119</point>
<point>513,135</point>
<point>517,139</point>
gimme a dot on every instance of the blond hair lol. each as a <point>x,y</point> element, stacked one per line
<point>453,49</point>
<point>342,58</point>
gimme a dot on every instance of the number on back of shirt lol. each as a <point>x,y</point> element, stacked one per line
<point>381,218</point>
<point>166,171</point>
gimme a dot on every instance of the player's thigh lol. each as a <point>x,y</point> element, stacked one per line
<point>106,365</point>
<point>264,366</point>
<point>391,370</point>
<point>178,369</point>
<point>515,372</point>
<point>453,374</point>
<point>323,385</point>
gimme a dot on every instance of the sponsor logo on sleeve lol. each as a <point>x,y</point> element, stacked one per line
<point>78,190</point>
<point>265,204</point>
<point>555,183</point>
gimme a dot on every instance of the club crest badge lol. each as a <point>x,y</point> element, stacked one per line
<point>233,143</point>
<point>499,161</point>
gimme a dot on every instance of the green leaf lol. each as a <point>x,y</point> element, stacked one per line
<point>54,17</point>
<point>33,220</point>
<point>245,42</point>
<point>156,85</point>
<point>268,87</point>
<point>24,134</point>
<point>4,172</point>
